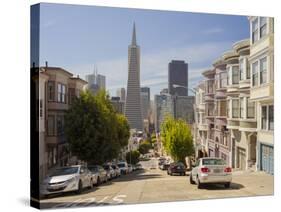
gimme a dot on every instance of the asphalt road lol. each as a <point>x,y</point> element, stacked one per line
<point>153,185</point>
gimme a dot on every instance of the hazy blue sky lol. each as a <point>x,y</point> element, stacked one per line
<point>78,37</point>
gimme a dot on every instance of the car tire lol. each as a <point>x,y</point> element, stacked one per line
<point>80,187</point>
<point>191,180</point>
<point>98,181</point>
<point>227,185</point>
<point>199,184</point>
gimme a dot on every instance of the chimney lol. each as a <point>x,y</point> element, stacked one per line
<point>46,64</point>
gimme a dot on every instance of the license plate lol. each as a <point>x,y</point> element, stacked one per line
<point>217,170</point>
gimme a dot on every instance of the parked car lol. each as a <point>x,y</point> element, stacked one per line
<point>176,168</point>
<point>211,170</point>
<point>123,166</point>
<point>130,168</point>
<point>116,170</point>
<point>138,166</point>
<point>164,166</point>
<point>109,171</point>
<point>161,160</point>
<point>99,172</point>
<point>65,179</point>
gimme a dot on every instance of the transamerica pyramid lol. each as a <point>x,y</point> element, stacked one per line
<point>133,104</point>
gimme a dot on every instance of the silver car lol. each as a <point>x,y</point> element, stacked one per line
<point>211,170</point>
<point>65,179</point>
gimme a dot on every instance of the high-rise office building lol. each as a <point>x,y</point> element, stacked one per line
<point>178,78</point>
<point>96,82</point>
<point>121,92</point>
<point>133,100</point>
<point>145,101</point>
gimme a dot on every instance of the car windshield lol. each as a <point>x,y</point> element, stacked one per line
<point>106,167</point>
<point>213,162</point>
<point>65,171</point>
<point>93,168</point>
<point>121,165</point>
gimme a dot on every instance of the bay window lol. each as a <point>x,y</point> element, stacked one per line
<point>51,90</point>
<point>235,108</point>
<point>271,117</point>
<point>235,74</point>
<point>255,30</point>
<point>263,70</point>
<point>242,108</point>
<point>255,73</point>
<point>241,68</point>
<point>263,26</point>
<point>61,93</point>
<point>250,108</point>
<point>263,117</point>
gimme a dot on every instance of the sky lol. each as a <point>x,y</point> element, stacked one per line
<point>77,38</point>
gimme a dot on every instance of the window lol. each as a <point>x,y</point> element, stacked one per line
<point>235,75</point>
<point>263,26</point>
<point>255,31</point>
<point>271,117</point>
<point>61,93</point>
<point>51,125</point>
<point>51,90</point>
<point>263,70</point>
<point>263,117</point>
<point>241,67</point>
<point>248,70</point>
<point>242,107</point>
<point>210,86</point>
<point>223,80</point>
<point>60,125</point>
<point>228,75</point>
<point>71,93</point>
<point>235,108</point>
<point>255,73</point>
<point>250,108</point>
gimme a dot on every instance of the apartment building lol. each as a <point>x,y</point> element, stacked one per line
<point>261,62</point>
<point>241,119</point>
<point>200,126</point>
<point>61,89</point>
<point>239,102</point>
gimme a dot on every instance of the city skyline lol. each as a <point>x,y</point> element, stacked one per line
<point>163,35</point>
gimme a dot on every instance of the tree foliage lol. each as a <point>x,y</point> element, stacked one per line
<point>177,138</point>
<point>144,147</point>
<point>133,157</point>
<point>94,131</point>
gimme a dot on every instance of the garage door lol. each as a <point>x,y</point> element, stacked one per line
<point>267,160</point>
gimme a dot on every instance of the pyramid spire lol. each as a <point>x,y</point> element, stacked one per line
<point>134,39</point>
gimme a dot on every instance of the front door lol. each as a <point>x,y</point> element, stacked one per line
<point>241,158</point>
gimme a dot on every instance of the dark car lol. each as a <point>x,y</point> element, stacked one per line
<point>176,168</point>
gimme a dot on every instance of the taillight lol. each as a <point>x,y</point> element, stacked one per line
<point>205,170</point>
<point>227,169</point>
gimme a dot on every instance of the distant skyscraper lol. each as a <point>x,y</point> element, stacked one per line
<point>118,105</point>
<point>121,92</point>
<point>178,76</point>
<point>133,102</point>
<point>95,81</point>
<point>145,101</point>
<point>164,106</point>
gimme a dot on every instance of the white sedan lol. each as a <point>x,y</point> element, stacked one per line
<point>65,179</point>
<point>209,170</point>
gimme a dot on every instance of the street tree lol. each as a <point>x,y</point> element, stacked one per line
<point>133,157</point>
<point>177,138</point>
<point>94,131</point>
<point>144,147</point>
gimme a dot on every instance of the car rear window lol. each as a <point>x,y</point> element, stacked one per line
<point>213,162</point>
